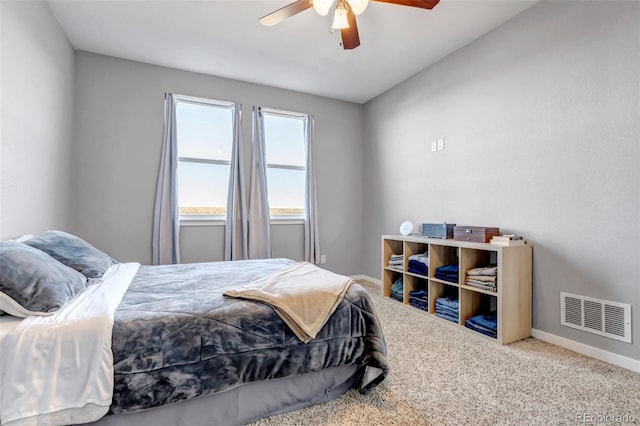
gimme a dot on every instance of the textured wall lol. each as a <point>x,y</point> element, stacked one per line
<point>541,125</point>
<point>37,120</point>
<point>119,124</point>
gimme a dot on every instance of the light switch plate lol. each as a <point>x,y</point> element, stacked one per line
<point>441,144</point>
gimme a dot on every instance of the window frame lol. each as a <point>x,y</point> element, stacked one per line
<point>202,220</point>
<point>288,219</point>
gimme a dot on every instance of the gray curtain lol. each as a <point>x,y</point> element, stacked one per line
<point>235,237</point>
<point>166,216</point>
<point>311,233</point>
<point>259,219</point>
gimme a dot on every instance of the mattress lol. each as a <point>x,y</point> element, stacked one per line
<point>176,337</point>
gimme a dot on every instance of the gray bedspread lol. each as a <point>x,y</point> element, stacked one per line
<point>176,337</point>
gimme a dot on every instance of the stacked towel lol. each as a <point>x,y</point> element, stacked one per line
<point>397,289</point>
<point>447,308</point>
<point>448,273</point>
<point>420,294</point>
<point>484,277</point>
<point>396,261</point>
<point>486,324</point>
<point>419,299</point>
<point>418,264</point>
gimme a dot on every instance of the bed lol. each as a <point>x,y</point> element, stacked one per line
<point>181,352</point>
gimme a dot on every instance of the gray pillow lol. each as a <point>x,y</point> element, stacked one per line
<point>34,283</point>
<point>74,252</point>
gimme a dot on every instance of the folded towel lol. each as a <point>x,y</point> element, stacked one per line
<point>480,330</point>
<point>448,301</point>
<point>397,286</point>
<point>447,317</point>
<point>485,278</point>
<point>303,295</point>
<point>484,286</point>
<point>453,278</point>
<point>417,267</point>
<point>488,321</point>
<point>419,293</point>
<point>483,270</point>
<point>424,258</point>
<point>448,268</point>
<point>448,273</point>
<point>445,308</point>
<point>479,327</point>
<point>397,297</point>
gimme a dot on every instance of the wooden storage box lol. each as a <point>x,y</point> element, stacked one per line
<point>478,234</point>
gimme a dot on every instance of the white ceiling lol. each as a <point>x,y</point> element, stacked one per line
<point>224,38</point>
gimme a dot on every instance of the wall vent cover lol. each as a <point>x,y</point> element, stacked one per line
<point>609,319</point>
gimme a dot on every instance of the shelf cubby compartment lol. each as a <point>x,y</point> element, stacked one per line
<point>473,258</point>
<point>442,255</point>
<point>438,288</point>
<point>389,276</point>
<point>412,248</point>
<point>389,248</point>
<point>414,283</point>
<point>473,303</point>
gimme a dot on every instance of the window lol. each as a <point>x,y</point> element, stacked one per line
<point>205,133</point>
<point>285,151</point>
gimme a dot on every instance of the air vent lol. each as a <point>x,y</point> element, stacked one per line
<point>609,319</point>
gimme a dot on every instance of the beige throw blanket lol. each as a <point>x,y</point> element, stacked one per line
<point>303,295</point>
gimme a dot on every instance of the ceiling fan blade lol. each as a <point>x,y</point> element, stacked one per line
<point>285,12</point>
<point>423,4</point>
<point>350,36</point>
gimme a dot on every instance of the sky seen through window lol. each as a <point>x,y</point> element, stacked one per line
<point>205,132</point>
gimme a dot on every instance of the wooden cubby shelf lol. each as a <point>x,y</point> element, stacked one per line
<point>511,300</point>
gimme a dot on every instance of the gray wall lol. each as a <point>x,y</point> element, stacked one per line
<point>540,119</point>
<point>37,120</point>
<point>119,120</point>
<point>542,137</point>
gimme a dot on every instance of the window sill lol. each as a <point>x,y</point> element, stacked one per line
<point>287,221</point>
<point>222,222</point>
<point>202,222</point>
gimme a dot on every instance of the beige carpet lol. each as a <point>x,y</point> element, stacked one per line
<point>442,375</point>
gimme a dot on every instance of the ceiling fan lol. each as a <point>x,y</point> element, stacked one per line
<point>344,18</point>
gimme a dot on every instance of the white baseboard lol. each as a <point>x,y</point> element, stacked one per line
<point>367,278</point>
<point>593,352</point>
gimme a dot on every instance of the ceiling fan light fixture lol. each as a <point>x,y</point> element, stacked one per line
<point>322,7</point>
<point>358,6</point>
<point>344,17</point>
<point>340,20</point>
